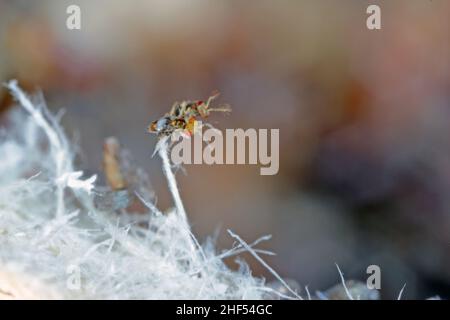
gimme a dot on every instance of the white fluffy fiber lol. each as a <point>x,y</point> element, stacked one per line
<point>51,231</point>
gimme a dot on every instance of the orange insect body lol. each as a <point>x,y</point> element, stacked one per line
<point>183,116</point>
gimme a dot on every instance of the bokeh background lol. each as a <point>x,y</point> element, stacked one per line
<point>364,119</point>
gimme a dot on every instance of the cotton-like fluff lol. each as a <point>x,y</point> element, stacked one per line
<point>55,243</point>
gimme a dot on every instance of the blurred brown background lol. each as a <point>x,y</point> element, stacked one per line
<point>364,119</point>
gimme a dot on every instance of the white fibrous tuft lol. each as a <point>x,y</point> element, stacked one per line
<point>72,180</point>
<point>56,243</point>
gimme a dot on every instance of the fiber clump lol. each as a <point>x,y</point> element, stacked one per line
<point>56,243</point>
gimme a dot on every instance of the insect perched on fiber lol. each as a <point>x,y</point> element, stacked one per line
<point>184,117</point>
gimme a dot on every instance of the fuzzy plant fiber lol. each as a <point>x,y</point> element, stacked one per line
<point>55,243</point>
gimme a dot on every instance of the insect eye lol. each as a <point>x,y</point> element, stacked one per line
<point>152,127</point>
